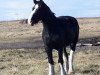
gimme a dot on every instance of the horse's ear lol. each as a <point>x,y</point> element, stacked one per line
<point>41,0</point>
<point>35,1</point>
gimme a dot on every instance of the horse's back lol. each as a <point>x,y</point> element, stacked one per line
<point>69,20</point>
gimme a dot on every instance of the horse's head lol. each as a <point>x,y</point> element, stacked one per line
<point>37,12</point>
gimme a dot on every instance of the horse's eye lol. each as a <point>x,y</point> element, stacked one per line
<point>33,8</point>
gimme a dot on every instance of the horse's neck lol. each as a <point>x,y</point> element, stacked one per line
<point>50,25</point>
<point>49,20</point>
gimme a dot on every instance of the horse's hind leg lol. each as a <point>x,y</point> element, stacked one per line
<point>50,61</point>
<point>70,59</point>
<point>65,57</point>
<point>60,60</point>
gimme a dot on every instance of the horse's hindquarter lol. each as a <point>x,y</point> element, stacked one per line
<point>70,23</point>
<point>70,26</point>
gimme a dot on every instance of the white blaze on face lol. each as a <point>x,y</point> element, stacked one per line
<point>31,14</point>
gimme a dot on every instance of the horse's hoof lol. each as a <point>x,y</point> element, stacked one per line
<point>71,73</point>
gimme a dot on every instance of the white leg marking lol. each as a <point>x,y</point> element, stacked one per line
<point>62,70</point>
<point>65,63</point>
<point>51,69</point>
<point>70,62</point>
<point>31,14</point>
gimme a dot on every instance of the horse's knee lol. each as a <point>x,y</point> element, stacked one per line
<point>50,57</point>
<point>60,59</point>
<point>50,61</point>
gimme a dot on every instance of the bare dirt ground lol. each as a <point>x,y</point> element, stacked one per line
<point>22,52</point>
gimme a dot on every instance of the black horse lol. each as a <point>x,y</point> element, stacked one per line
<point>58,33</point>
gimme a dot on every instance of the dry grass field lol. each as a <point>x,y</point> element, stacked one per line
<point>22,52</point>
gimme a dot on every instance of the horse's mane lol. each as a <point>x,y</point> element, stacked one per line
<point>48,9</point>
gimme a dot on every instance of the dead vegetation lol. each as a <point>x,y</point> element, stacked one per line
<point>34,62</point>
<point>22,52</point>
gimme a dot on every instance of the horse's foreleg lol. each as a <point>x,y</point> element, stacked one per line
<point>60,60</point>
<point>51,69</point>
<point>51,62</point>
